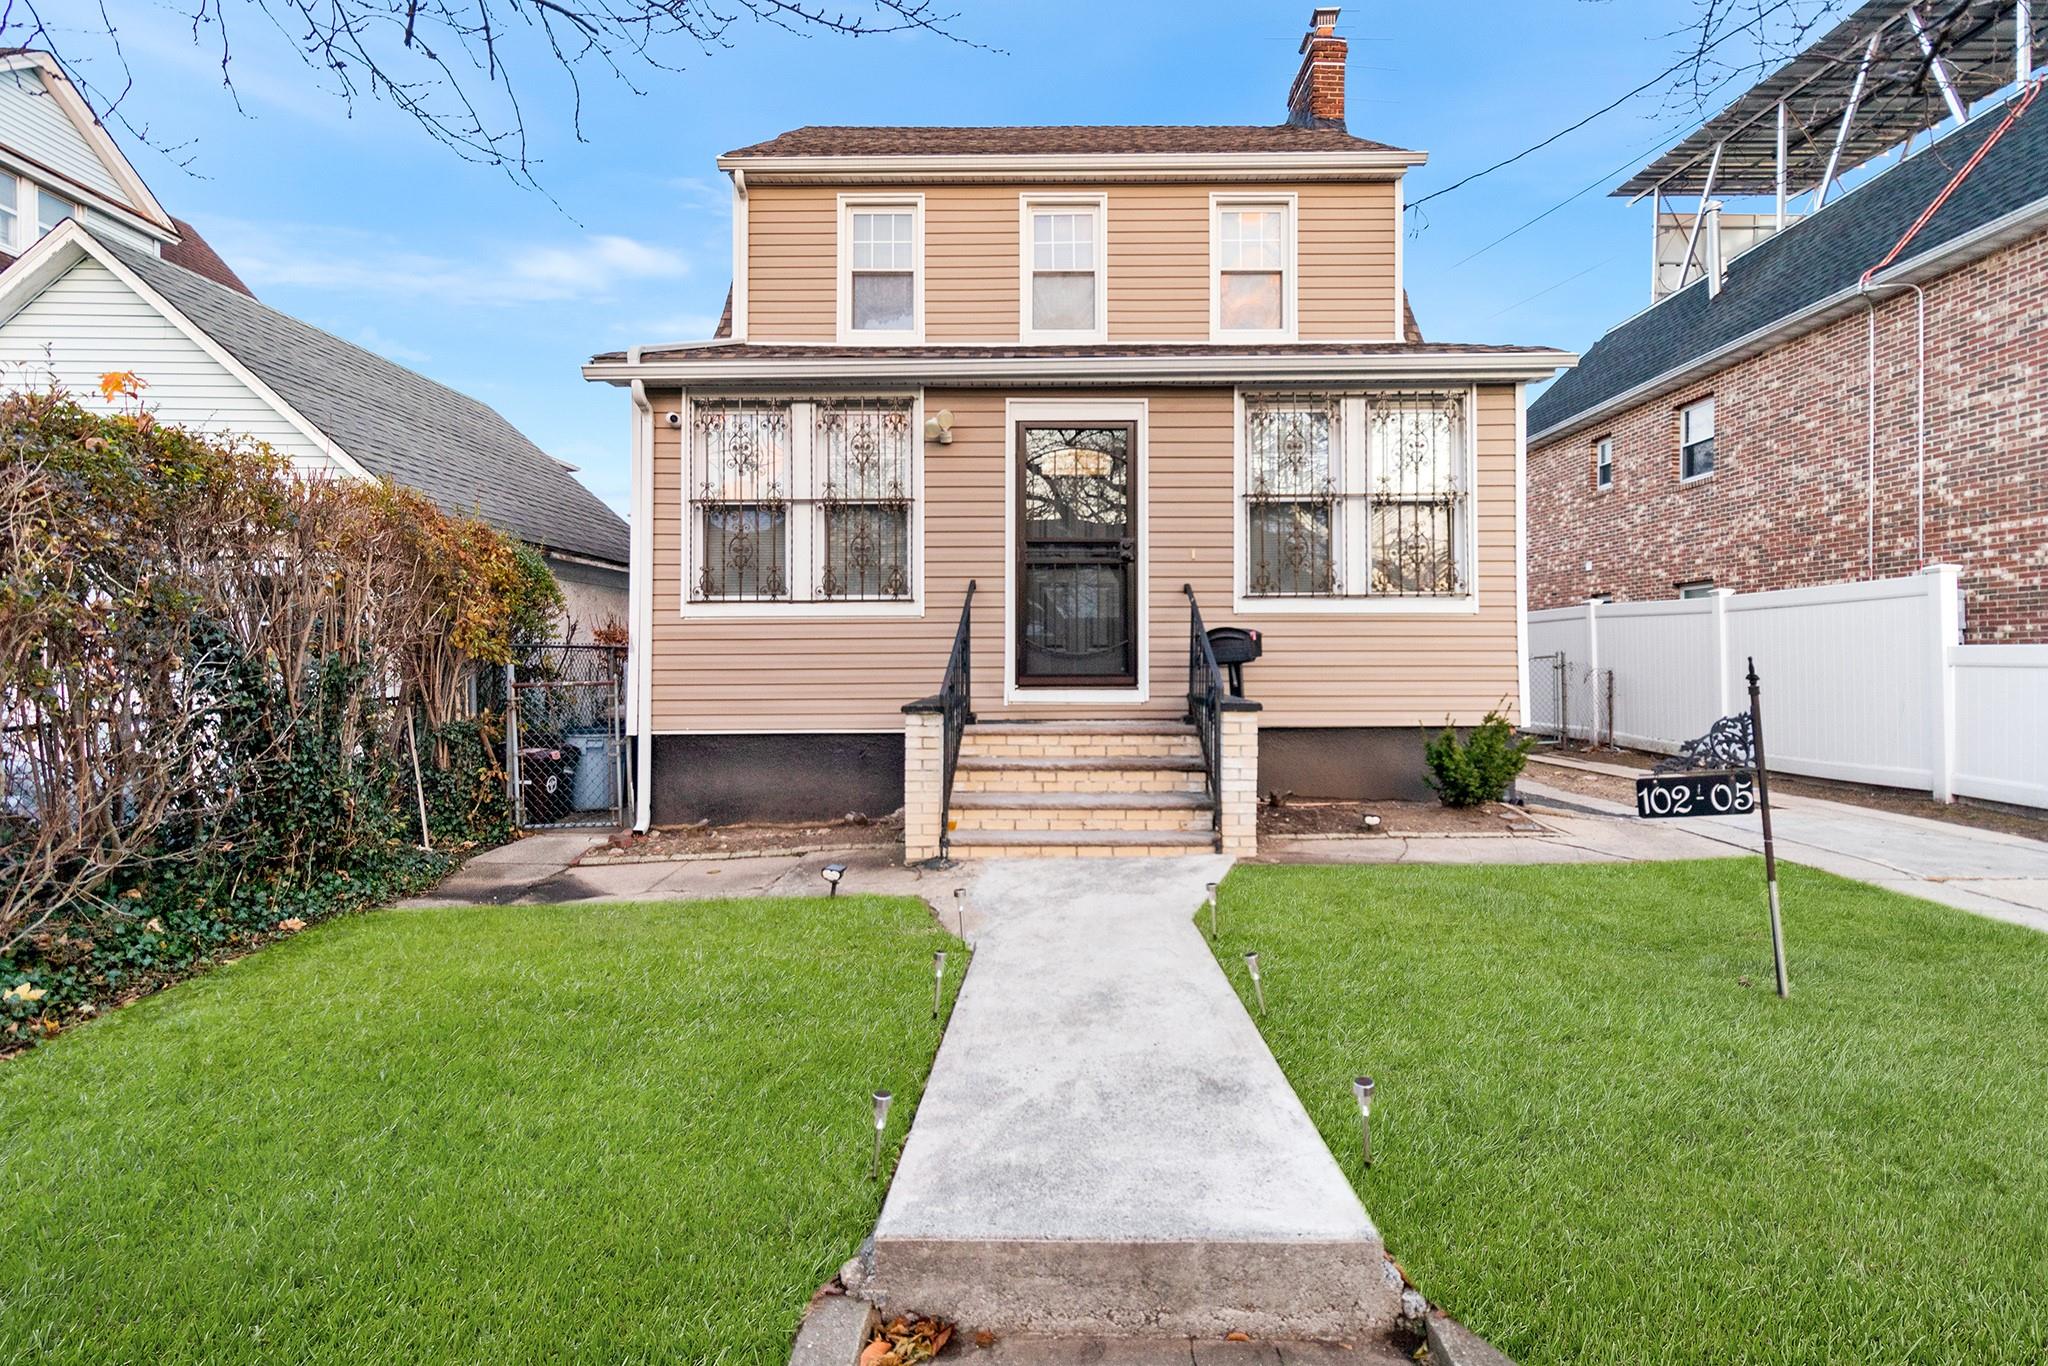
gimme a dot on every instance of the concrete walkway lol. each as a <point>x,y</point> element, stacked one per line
<point>1105,1144</point>
<point>1988,873</point>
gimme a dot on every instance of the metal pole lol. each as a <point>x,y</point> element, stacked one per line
<point>514,797</point>
<point>1781,166</point>
<point>2023,40</point>
<point>1948,89</point>
<point>1699,216</point>
<point>1820,194</point>
<point>1763,798</point>
<point>1656,234</point>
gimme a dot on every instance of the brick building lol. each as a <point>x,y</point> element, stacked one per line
<point>1777,423</point>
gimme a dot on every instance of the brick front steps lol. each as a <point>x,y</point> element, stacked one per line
<point>1081,789</point>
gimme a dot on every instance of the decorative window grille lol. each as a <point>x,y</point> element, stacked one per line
<point>802,501</point>
<point>1295,455</point>
<point>1356,496</point>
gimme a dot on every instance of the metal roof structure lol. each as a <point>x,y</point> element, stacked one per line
<point>1886,72</point>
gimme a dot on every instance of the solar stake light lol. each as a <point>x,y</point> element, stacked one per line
<point>1361,1089</point>
<point>1251,962</point>
<point>1212,910</point>
<point>938,980</point>
<point>960,913</point>
<point>881,1123</point>
<point>832,872</point>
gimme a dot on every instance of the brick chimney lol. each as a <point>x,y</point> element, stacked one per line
<point>1316,99</point>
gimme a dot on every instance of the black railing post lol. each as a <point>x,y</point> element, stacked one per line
<point>1208,699</point>
<point>954,702</point>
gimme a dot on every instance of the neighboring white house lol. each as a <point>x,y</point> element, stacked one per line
<point>102,279</point>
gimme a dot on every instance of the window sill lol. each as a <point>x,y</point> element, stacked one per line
<point>850,337</point>
<point>1688,479</point>
<point>1465,606</point>
<point>801,611</point>
<point>1097,337</point>
<point>1226,336</point>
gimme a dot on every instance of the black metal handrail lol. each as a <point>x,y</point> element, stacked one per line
<point>1208,699</point>
<point>954,702</point>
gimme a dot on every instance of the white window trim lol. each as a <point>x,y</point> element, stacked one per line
<point>1027,204</point>
<point>1290,281</point>
<point>848,203</point>
<point>1601,485</point>
<point>1683,477</point>
<point>768,609</point>
<point>1355,547</point>
<point>1136,410</point>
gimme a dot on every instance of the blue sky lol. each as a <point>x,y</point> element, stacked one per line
<point>362,225</point>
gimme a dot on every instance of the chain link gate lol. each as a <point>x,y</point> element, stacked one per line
<point>565,737</point>
<point>1546,696</point>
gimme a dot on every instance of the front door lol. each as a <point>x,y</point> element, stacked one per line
<point>1076,557</point>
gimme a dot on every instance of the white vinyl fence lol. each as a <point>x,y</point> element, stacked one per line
<point>1861,681</point>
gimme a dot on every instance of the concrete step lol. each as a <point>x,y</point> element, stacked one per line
<point>1085,801</point>
<point>1083,763</point>
<point>1042,843</point>
<point>1171,777</point>
<point>1094,727</point>
<point>1061,812</point>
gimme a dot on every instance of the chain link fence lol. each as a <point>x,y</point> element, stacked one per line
<point>565,739</point>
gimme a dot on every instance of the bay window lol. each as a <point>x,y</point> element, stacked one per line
<point>802,501</point>
<point>1361,497</point>
<point>881,254</point>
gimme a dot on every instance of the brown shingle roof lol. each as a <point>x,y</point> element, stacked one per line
<point>192,252</point>
<point>826,351</point>
<point>830,141</point>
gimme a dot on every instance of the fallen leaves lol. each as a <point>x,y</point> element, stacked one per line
<point>907,1340</point>
<point>25,991</point>
<point>292,924</point>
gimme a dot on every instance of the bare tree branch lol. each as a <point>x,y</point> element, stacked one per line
<point>457,68</point>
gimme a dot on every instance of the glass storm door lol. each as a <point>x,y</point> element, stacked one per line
<point>1076,556</point>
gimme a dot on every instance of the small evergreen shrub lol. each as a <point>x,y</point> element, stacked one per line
<point>1479,769</point>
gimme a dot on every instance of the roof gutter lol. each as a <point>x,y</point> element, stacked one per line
<point>1245,165</point>
<point>1971,246</point>
<point>1504,367</point>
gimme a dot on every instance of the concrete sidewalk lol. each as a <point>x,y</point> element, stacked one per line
<point>1106,1145</point>
<point>1988,873</point>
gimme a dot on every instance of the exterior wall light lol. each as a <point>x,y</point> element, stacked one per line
<point>1361,1090</point>
<point>1251,963</point>
<point>881,1122</point>
<point>939,427</point>
<point>832,872</point>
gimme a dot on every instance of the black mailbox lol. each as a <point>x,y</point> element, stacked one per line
<point>1235,647</point>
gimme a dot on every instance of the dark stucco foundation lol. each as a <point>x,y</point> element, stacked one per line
<point>724,778</point>
<point>1355,763</point>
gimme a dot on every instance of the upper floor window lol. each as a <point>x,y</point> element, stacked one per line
<point>1063,294</point>
<point>802,502</point>
<point>1252,262</point>
<point>27,211</point>
<point>1696,439</point>
<point>1603,463</point>
<point>1697,588</point>
<point>881,270</point>
<point>1361,496</point>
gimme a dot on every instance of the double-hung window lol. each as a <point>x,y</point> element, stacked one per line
<point>1252,269</point>
<point>1603,463</point>
<point>800,501</point>
<point>51,210</point>
<point>1063,270</point>
<point>1359,497</point>
<point>881,284</point>
<point>1696,439</point>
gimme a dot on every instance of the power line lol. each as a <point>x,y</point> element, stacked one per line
<point>1559,285</point>
<point>1693,57</point>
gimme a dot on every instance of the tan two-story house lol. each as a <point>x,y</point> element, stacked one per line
<point>1001,420</point>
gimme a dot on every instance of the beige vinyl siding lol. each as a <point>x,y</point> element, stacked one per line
<point>1158,260</point>
<point>791,674</point>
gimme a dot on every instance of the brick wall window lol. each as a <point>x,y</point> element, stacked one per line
<point>1359,497</point>
<point>1696,439</point>
<point>794,501</point>
<point>1603,463</point>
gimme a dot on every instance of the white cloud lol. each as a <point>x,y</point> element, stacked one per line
<point>358,262</point>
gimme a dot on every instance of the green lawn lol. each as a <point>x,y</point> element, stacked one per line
<point>1595,1144</point>
<point>517,1134</point>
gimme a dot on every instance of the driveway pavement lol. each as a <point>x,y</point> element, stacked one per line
<point>1988,873</point>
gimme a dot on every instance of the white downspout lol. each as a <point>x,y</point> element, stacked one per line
<point>640,604</point>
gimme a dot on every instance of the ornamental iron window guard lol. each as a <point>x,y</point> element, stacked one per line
<point>801,501</point>
<point>1358,495</point>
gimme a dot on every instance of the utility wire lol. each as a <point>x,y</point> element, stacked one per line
<point>1559,285</point>
<point>1691,58</point>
